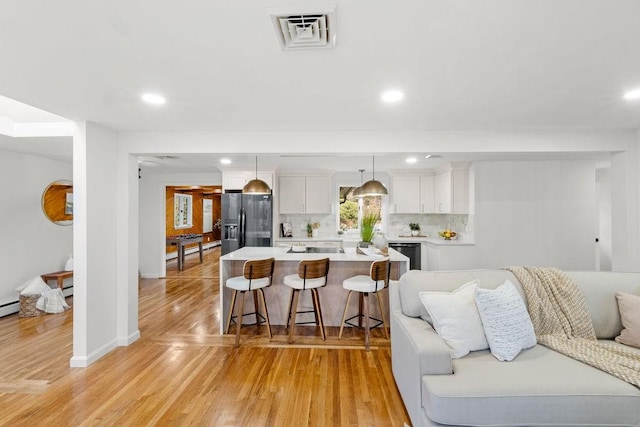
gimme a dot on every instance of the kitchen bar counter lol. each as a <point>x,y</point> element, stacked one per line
<point>332,297</point>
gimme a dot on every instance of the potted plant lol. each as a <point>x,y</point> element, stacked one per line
<point>368,226</point>
<point>309,230</point>
<point>415,228</point>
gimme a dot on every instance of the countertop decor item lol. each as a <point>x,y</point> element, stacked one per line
<point>447,234</point>
<point>368,226</point>
<point>415,228</point>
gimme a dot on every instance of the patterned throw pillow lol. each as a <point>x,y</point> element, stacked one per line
<point>505,320</point>
<point>455,318</point>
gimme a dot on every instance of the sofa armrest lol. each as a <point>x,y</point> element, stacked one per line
<point>416,350</point>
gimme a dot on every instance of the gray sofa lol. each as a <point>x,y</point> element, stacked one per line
<point>539,387</point>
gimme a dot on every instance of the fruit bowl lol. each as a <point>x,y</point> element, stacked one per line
<point>447,234</point>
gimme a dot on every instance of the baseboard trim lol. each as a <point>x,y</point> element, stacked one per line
<point>205,246</point>
<point>84,361</point>
<point>124,342</point>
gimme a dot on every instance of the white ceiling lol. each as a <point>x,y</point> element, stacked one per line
<point>472,65</point>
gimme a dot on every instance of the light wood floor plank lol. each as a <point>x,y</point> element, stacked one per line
<point>181,372</point>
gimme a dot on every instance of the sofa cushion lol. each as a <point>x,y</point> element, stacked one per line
<point>540,387</point>
<point>599,289</point>
<point>456,319</point>
<point>629,305</point>
<point>415,281</point>
<point>505,321</point>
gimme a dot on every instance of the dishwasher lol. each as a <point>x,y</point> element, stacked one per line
<point>411,251</point>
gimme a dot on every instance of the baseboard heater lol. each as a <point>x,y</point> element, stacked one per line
<point>12,307</point>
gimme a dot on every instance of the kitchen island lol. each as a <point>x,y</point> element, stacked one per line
<point>332,297</point>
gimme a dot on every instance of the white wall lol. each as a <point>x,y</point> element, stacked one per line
<point>32,245</point>
<point>538,213</point>
<point>152,219</point>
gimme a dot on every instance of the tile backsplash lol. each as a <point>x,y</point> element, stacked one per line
<point>431,223</point>
<point>299,225</point>
<point>397,224</point>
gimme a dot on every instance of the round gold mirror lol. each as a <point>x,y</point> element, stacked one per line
<point>57,202</point>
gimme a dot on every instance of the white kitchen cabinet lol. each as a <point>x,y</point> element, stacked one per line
<point>452,190</point>
<point>233,181</point>
<point>305,194</point>
<point>443,195</point>
<point>413,194</point>
<point>406,194</point>
<point>427,194</point>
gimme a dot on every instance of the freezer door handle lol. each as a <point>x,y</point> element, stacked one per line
<point>241,219</point>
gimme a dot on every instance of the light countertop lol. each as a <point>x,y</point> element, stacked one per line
<point>431,240</point>
<point>280,254</point>
<point>308,239</point>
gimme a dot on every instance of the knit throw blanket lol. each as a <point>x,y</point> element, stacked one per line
<point>561,321</point>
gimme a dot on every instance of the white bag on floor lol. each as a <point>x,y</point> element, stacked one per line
<point>52,301</point>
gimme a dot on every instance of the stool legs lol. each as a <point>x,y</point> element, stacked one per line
<point>239,318</point>
<point>266,312</point>
<point>364,314</point>
<point>293,309</point>
<point>384,322</point>
<point>344,314</point>
<point>314,293</point>
<point>292,313</point>
<point>258,296</point>
<point>232,305</point>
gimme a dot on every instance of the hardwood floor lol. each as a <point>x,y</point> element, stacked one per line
<point>181,372</point>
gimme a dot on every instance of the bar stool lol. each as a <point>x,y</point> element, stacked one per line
<point>257,274</point>
<point>312,274</point>
<point>377,280</point>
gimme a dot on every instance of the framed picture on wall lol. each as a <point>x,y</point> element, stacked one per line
<point>286,230</point>
<point>68,204</point>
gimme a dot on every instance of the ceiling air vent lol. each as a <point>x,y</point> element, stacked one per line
<point>305,30</point>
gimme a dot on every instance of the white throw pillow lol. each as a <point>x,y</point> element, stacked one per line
<point>35,286</point>
<point>506,322</point>
<point>456,319</point>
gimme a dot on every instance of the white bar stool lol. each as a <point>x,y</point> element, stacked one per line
<point>377,280</point>
<point>312,274</point>
<point>257,274</point>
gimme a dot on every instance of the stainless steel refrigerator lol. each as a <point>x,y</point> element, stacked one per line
<point>246,221</point>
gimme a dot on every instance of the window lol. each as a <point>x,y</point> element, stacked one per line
<point>182,211</point>
<point>352,208</point>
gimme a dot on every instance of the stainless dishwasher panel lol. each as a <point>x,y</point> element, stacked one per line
<point>411,251</point>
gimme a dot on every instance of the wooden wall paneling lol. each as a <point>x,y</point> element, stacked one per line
<point>217,213</point>
<point>209,192</point>
<point>196,218</point>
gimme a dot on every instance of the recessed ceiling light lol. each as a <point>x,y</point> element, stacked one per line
<point>634,94</point>
<point>411,160</point>
<point>152,98</point>
<point>392,96</point>
<point>225,161</point>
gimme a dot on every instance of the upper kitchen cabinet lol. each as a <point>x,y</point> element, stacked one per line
<point>452,188</point>
<point>305,194</point>
<point>233,181</point>
<point>413,194</point>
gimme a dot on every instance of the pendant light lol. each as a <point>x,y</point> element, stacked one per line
<point>256,186</point>
<point>358,191</point>
<point>373,187</point>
